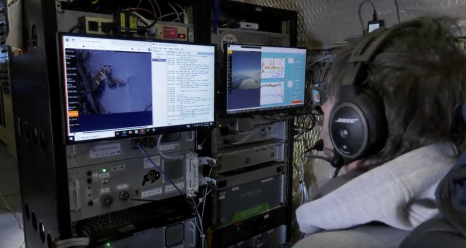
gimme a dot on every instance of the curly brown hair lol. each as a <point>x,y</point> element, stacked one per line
<point>420,75</point>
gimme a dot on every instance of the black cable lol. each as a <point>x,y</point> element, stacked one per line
<point>205,139</point>
<point>359,12</point>
<point>397,11</point>
<point>72,29</point>
<point>337,170</point>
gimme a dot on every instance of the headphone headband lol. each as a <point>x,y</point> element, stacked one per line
<point>364,53</point>
<point>369,46</point>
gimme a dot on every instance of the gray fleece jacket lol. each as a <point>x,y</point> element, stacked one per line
<point>400,193</point>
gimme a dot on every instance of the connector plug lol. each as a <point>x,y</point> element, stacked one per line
<point>207,161</point>
<point>135,143</point>
<point>208,180</point>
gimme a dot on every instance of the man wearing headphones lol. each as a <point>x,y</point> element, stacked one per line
<point>393,117</point>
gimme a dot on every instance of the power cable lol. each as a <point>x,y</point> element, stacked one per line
<point>397,11</point>
<point>158,7</point>
<point>359,13</point>
<point>137,6</point>
<point>174,9</point>
<point>159,142</point>
<point>185,16</point>
<point>72,29</point>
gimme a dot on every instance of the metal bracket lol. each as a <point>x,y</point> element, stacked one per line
<point>58,6</point>
<point>192,174</point>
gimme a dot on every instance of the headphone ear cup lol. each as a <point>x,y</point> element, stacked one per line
<point>357,125</point>
<point>348,130</point>
<point>373,106</point>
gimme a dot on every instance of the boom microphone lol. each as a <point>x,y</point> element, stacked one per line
<point>318,146</point>
<point>337,161</point>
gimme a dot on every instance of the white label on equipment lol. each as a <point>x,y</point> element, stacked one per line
<point>104,175</point>
<point>228,39</point>
<point>151,192</point>
<point>266,216</point>
<point>234,189</point>
<point>266,180</point>
<point>148,164</point>
<point>123,186</point>
<point>105,190</point>
<point>170,188</point>
<point>105,151</point>
<point>221,197</point>
<point>169,147</point>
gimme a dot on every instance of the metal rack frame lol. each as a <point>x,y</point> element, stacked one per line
<point>289,18</point>
<point>39,134</point>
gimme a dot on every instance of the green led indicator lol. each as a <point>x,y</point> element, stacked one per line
<point>104,170</point>
<point>108,244</point>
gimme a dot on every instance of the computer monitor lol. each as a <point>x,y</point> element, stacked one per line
<point>264,79</point>
<point>128,87</point>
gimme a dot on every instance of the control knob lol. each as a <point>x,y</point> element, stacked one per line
<point>106,200</point>
<point>124,196</point>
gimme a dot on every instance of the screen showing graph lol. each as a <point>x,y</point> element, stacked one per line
<point>262,78</point>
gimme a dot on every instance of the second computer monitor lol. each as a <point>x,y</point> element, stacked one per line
<point>264,79</point>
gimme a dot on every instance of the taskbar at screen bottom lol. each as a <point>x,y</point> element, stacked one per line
<point>260,110</point>
<point>131,133</point>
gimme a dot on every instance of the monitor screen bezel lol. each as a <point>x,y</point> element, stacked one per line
<point>159,130</point>
<point>257,111</point>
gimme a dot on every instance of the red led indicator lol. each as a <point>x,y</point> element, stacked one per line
<point>170,33</point>
<point>181,36</point>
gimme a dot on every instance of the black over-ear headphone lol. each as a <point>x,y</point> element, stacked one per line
<point>357,123</point>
